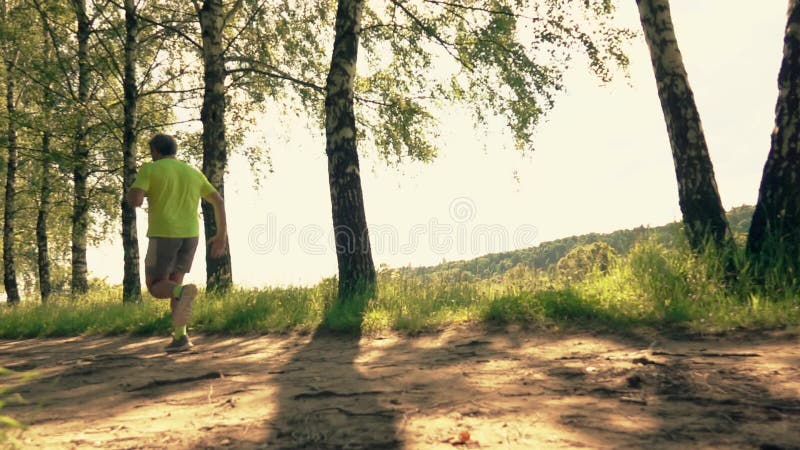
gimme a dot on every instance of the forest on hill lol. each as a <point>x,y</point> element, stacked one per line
<point>545,256</point>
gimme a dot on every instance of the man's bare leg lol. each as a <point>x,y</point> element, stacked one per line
<point>165,287</point>
<point>177,279</point>
<point>181,302</point>
<point>160,286</point>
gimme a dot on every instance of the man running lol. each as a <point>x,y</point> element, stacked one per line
<point>174,190</point>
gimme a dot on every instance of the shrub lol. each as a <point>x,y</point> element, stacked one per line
<point>585,259</point>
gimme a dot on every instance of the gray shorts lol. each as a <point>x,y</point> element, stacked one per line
<point>166,256</point>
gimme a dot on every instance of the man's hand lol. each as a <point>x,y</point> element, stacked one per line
<point>136,197</point>
<point>217,244</point>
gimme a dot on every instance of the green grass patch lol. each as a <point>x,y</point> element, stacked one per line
<point>9,378</point>
<point>652,286</point>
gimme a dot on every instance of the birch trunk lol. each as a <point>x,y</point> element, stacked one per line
<point>43,213</point>
<point>9,263</point>
<point>80,158</point>
<point>703,215</point>
<point>218,270</point>
<point>353,252</point>
<point>43,257</point>
<point>775,230</point>
<point>131,283</point>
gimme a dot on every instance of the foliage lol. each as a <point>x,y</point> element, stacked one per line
<point>585,259</point>
<point>499,57</point>
<point>28,120</point>
<point>46,72</point>
<point>419,57</point>
<point>502,58</point>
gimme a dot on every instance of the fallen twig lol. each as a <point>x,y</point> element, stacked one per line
<point>708,355</point>
<point>328,394</point>
<point>159,383</point>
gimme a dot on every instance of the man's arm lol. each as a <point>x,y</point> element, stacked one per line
<point>136,197</point>
<point>219,241</point>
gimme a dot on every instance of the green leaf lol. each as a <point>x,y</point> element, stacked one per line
<point>9,422</point>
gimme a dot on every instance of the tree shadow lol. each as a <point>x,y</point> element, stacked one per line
<point>324,401</point>
<point>565,390</point>
<point>695,391</point>
<point>506,388</point>
<point>117,382</point>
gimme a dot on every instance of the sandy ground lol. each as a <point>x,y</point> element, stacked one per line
<point>461,388</point>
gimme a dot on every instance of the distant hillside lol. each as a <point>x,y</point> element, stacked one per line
<point>547,254</point>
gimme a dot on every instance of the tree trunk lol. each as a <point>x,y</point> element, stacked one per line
<point>774,237</point>
<point>131,284</point>
<point>9,267</point>
<point>356,269</point>
<point>80,158</point>
<point>703,215</point>
<point>43,258</point>
<point>218,270</point>
<point>42,253</point>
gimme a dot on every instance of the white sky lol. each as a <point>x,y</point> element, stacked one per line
<point>602,163</point>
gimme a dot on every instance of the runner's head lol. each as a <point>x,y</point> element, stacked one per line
<point>162,145</point>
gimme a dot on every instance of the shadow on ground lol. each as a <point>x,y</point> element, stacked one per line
<point>505,388</point>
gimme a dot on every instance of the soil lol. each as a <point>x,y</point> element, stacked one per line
<point>459,388</point>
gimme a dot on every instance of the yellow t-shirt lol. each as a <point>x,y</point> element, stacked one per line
<point>173,189</point>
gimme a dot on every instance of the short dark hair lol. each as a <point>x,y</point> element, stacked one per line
<point>164,143</point>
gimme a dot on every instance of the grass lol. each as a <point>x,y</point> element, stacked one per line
<point>8,378</point>
<point>651,287</point>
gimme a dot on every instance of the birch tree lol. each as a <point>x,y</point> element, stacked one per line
<point>774,237</point>
<point>83,109</point>
<point>703,215</point>
<point>11,53</point>
<point>80,153</point>
<point>212,20</point>
<point>248,50</point>
<point>354,255</point>
<point>131,283</point>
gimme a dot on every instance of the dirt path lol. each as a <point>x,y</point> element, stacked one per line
<point>508,390</point>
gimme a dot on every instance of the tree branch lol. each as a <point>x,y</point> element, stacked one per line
<point>276,73</point>
<point>244,27</point>
<point>431,33</point>
<point>498,12</point>
<point>173,29</point>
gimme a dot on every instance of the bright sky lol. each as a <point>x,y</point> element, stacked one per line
<point>602,163</point>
